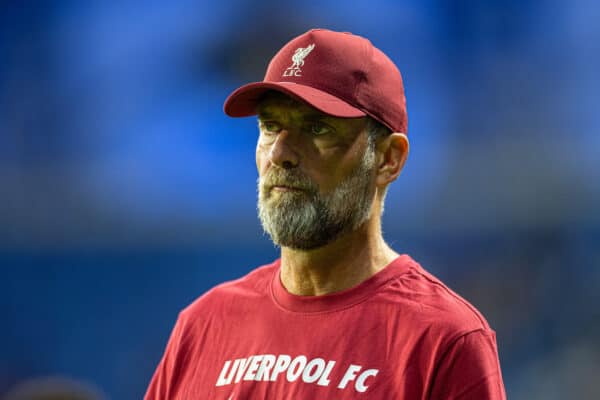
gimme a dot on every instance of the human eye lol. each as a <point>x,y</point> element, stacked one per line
<point>319,128</point>
<point>269,127</point>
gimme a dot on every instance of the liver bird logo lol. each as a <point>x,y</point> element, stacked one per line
<point>298,61</point>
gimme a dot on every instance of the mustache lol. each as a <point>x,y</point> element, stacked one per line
<point>291,178</point>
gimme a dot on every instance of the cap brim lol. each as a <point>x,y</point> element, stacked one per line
<point>243,101</point>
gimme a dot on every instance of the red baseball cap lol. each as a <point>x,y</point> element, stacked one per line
<point>338,73</point>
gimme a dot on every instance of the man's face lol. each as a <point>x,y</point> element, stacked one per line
<point>316,174</point>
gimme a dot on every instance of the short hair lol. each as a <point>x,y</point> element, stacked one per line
<point>375,131</point>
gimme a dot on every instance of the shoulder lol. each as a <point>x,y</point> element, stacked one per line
<point>254,285</point>
<point>425,299</point>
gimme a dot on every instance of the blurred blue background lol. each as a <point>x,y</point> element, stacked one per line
<point>125,192</point>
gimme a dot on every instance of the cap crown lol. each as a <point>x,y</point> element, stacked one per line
<point>348,67</point>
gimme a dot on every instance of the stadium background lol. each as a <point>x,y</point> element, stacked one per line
<point>125,192</point>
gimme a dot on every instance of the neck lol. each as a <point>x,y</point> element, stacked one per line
<point>339,265</point>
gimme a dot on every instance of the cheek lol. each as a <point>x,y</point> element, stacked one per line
<point>261,158</point>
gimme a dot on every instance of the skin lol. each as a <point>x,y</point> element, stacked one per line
<point>327,149</point>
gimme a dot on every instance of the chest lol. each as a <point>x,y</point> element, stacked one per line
<point>359,353</point>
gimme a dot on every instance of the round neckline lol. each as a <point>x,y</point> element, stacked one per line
<point>338,300</point>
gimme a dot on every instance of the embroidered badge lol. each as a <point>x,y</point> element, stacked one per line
<point>298,61</point>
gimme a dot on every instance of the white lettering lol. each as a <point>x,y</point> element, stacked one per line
<point>281,365</point>
<point>324,381</point>
<point>265,367</point>
<point>222,380</point>
<point>350,375</point>
<point>269,367</point>
<point>254,364</point>
<point>360,382</point>
<point>309,376</point>
<point>234,368</point>
<point>242,368</point>
<point>298,363</point>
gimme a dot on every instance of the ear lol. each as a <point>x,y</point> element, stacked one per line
<point>392,152</point>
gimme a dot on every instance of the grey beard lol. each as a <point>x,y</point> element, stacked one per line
<point>308,220</point>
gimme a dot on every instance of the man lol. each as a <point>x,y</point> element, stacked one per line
<point>340,315</point>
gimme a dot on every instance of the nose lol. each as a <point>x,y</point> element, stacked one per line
<point>283,152</point>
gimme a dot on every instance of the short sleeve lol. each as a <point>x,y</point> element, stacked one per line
<point>470,369</point>
<point>167,372</point>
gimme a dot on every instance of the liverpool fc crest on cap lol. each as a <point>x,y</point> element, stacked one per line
<point>298,61</point>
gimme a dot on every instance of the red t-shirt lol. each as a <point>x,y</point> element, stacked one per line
<point>401,334</point>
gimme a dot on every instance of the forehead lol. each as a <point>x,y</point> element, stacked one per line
<point>274,103</point>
